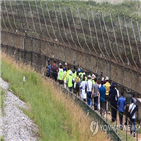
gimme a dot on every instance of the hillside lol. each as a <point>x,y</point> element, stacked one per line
<point>58,118</point>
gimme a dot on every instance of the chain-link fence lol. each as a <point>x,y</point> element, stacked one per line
<point>36,31</point>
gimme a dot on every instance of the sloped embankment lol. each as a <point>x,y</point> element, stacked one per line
<point>57,118</point>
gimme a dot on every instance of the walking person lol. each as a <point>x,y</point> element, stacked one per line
<point>107,86</point>
<point>95,94</point>
<point>89,86</point>
<point>93,78</point>
<point>102,92</point>
<point>133,109</point>
<point>60,75</point>
<point>77,84</point>
<point>54,71</point>
<point>113,101</point>
<point>83,87</point>
<point>48,69</point>
<point>65,75</point>
<point>70,81</point>
<point>121,107</point>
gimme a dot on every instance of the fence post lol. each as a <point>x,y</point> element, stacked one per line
<point>138,83</point>
<point>31,49</point>
<point>24,47</point>
<point>123,78</point>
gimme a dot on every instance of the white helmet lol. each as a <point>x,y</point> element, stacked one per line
<point>107,78</point>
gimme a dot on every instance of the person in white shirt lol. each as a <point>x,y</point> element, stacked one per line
<point>89,86</point>
<point>83,86</point>
<point>133,111</point>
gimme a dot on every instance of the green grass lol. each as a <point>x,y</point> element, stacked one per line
<point>47,113</point>
<point>122,134</point>
<point>1,138</point>
<point>58,118</point>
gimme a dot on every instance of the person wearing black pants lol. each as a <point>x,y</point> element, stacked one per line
<point>113,100</point>
<point>114,111</point>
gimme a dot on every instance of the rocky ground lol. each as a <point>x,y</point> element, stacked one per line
<point>16,126</point>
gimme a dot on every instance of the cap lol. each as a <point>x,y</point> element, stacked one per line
<point>79,69</point>
<point>84,73</point>
<point>93,76</point>
<point>107,78</point>
<point>60,64</point>
<point>89,76</point>
<point>102,79</point>
<point>65,64</point>
<point>114,84</point>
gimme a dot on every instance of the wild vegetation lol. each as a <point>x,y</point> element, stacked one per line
<point>58,118</point>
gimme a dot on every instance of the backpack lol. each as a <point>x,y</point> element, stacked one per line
<point>133,111</point>
<point>54,69</point>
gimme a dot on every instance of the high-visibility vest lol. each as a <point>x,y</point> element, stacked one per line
<point>70,81</point>
<point>86,78</point>
<point>93,81</point>
<point>60,75</point>
<point>81,74</point>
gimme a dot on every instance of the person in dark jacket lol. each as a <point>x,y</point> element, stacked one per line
<point>54,71</point>
<point>113,101</point>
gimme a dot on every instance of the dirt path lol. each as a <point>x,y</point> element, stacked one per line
<point>16,125</point>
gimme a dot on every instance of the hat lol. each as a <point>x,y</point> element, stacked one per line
<point>60,64</point>
<point>93,76</point>
<point>114,84</point>
<point>89,76</point>
<point>65,64</point>
<point>107,78</point>
<point>70,73</point>
<point>84,73</point>
<point>79,69</point>
<point>102,79</point>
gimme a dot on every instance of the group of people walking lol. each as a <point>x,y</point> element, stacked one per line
<point>96,91</point>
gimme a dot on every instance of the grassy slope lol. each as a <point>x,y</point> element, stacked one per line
<point>57,118</point>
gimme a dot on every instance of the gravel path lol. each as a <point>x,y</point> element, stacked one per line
<point>16,125</point>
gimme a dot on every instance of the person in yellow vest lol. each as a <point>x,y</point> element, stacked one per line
<point>93,78</point>
<point>60,65</point>
<point>84,75</point>
<point>60,75</point>
<point>70,81</point>
<point>81,74</point>
<point>107,86</point>
<point>68,71</point>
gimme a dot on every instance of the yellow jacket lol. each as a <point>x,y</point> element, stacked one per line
<point>107,86</point>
